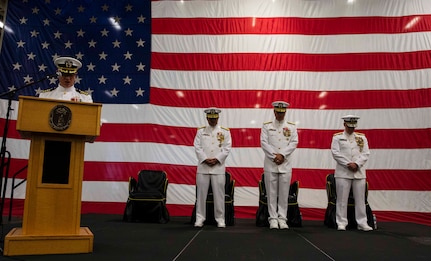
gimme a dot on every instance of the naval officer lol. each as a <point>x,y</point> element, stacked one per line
<point>279,139</point>
<point>350,151</point>
<point>212,145</point>
<point>67,69</point>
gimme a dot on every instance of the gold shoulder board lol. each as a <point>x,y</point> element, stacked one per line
<point>48,90</point>
<point>83,92</point>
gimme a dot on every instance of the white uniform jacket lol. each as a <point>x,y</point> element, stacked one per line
<point>61,93</point>
<point>281,138</point>
<point>212,142</point>
<point>350,148</point>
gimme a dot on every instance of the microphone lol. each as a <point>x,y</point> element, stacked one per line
<point>54,75</point>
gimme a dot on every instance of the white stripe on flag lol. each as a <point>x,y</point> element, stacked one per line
<point>234,118</point>
<point>291,43</point>
<point>413,159</point>
<point>380,200</point>
<point>292,8</point>
<point>305,81</point>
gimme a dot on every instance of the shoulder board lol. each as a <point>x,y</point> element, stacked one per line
<point>224,128</point>
<point>291,123</point>
<point>360,134</point>
<point>82,92</point>
<point>338,133</point>
<point>47,90</point>
<point>201,127</point>
<point>268,122</point>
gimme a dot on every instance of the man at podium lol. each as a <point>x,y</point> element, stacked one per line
<point>67,69</point>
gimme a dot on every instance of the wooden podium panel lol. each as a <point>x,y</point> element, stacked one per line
<point>35,117</point>
<point>20,244</point>
<point>52,208</point>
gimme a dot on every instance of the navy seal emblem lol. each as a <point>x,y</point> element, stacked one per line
<point>60,117</point>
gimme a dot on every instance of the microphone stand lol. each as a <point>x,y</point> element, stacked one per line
<point>4,154</point>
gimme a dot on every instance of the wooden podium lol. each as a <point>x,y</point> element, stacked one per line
<point>52,210</point>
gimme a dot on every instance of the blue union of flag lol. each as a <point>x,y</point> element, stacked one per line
<point>111,38</point>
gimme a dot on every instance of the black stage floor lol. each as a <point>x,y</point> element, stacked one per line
<point>179,240</point>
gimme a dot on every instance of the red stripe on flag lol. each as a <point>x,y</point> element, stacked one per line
<point>316,139</point>
<point>309,138</point>
<point>309,178</point>
<point>331,100</point>
<point>291,25</point>
<point>178,174</point>
<point>248,212</point>
<point>291,61</point>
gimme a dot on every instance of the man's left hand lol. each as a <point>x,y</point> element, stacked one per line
<point>352,166</point>
<point>211,162</point>
<point>279,159</point>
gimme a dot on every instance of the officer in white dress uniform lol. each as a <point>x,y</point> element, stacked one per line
<point>67,68</point>
<point>279,139</point>
<point>350,151</point>
<point>212,146</point>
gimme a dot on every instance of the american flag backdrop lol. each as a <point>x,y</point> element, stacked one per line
<point>326,58</point>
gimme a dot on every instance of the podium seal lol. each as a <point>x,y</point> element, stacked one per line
<point>60,117</point>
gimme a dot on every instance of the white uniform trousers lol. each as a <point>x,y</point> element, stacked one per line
<point>218,187</point>
<point>277,189</point>
<point>343,190</point>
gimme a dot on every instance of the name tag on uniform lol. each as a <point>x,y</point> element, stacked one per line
<point>272,130</point>
<point>343,139</point>
<point>206,134</point>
